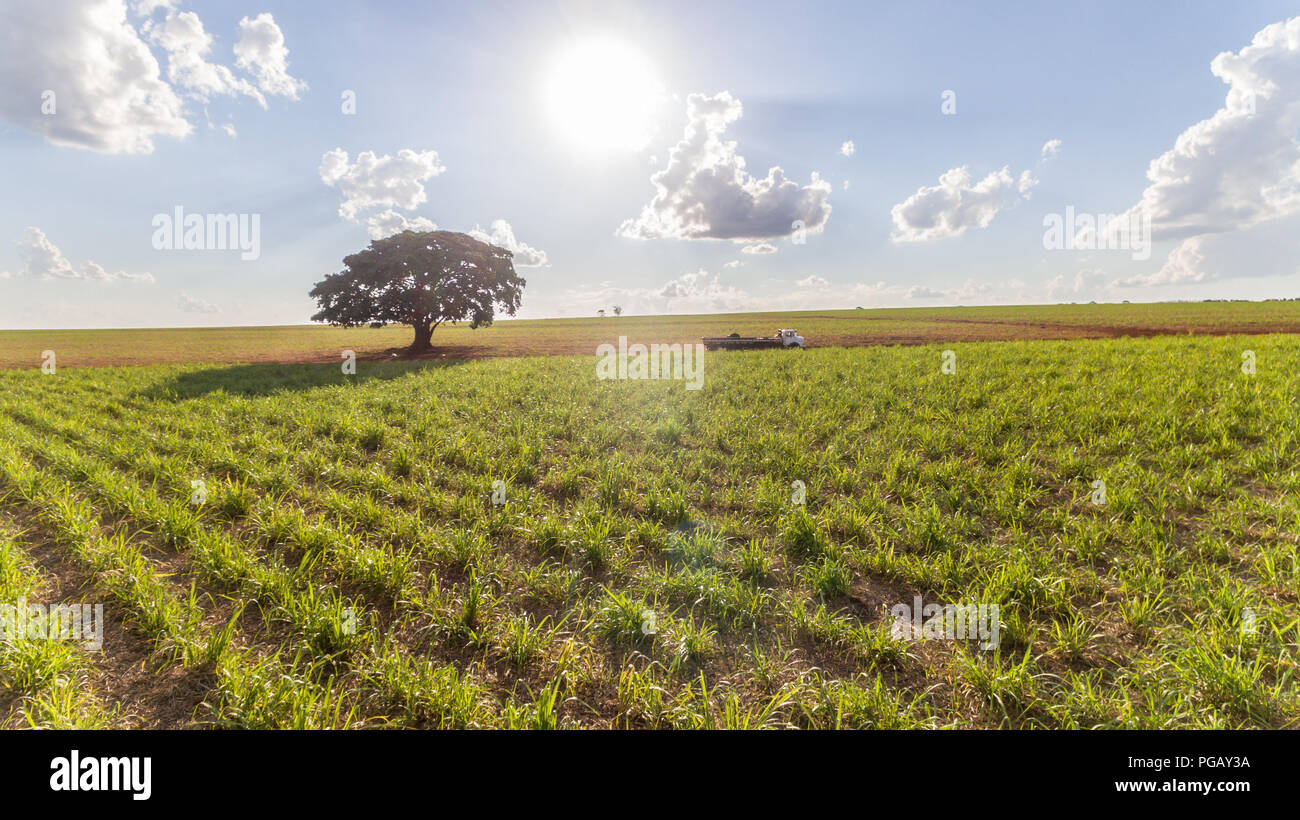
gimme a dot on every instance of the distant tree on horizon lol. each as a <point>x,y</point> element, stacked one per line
<point>421,279</point>
<point>618,310</point>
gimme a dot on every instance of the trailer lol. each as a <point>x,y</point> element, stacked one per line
<point>784,338</point>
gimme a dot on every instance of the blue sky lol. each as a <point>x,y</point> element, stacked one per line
<point>1115,83</point>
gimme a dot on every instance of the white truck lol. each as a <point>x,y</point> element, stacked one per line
<point>785,337</point>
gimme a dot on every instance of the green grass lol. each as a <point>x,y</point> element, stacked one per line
<point>649,567</point>
<point>44,683</point>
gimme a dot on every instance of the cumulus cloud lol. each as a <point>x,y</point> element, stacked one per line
<point>847,149</point>
<point>693,292</point>
<point>690,284</point>
<point>261,52</point>
<point>108,94</point>
<point>193,304</point>
<point>762,248</point>
<point>375,182</point>
<point>42,259</point>
<point>1050,149</point>
<point>946,210</point>
<point>386,223</point>
<point>924,292</point>
<point>1087,282</point>
<point>503,236</point>
<point>80,74</point>
<point>705,191</point>
<point>702,292</point>
<point>967,291</point>
<point>1184,266</point>
<point>734,263</point>
<point>188,45</point>
<point>884,294</point>
<point>1234,176</point>
<point>1241,166</point>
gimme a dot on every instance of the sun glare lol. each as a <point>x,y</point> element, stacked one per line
<point>602,95</point>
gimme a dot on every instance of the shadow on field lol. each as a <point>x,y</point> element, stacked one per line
<point>270,379</point>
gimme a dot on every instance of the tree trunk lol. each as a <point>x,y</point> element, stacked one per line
<point>423,335</point>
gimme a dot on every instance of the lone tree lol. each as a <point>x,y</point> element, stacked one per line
<point>421,280</point>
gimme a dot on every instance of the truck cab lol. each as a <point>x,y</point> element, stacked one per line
<point>789,338</point>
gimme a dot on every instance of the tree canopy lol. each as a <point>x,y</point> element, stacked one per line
<point>420,279</point>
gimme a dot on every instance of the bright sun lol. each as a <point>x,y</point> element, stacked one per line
<point>602,95</point>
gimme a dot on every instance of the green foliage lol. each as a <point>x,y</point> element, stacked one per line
<point>420,279</point>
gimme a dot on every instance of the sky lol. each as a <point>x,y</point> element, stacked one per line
<point>665,157</point>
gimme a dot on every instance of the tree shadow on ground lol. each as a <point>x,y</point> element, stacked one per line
<point>270,379</point>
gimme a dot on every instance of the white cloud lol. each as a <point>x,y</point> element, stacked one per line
<point>762,248</point>
<point>261,52</point>
<point>503,236</point>
<point>386,223</point>
<point>688,284</point>
<point>694,292</point>
<point>1050,149</point>
<point>946,210</point>
<point>703,292</point>
<point>188,45</point>
<point>967,291</point>
<point>883,294</point>
<point>1240,167</point>
<point>42,259</point>
<point>108,92</point>
<point>229,128</point>
<point>1231,173</point>
<point>734,263</point>
<point>706,192</point>
<point>193,304</point>
<point>924,292</point>
<point>144,8</point>
<point>1087,282</point>
<point>373,182</point>
<point>847,149</point>
<point>1184,266</point>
